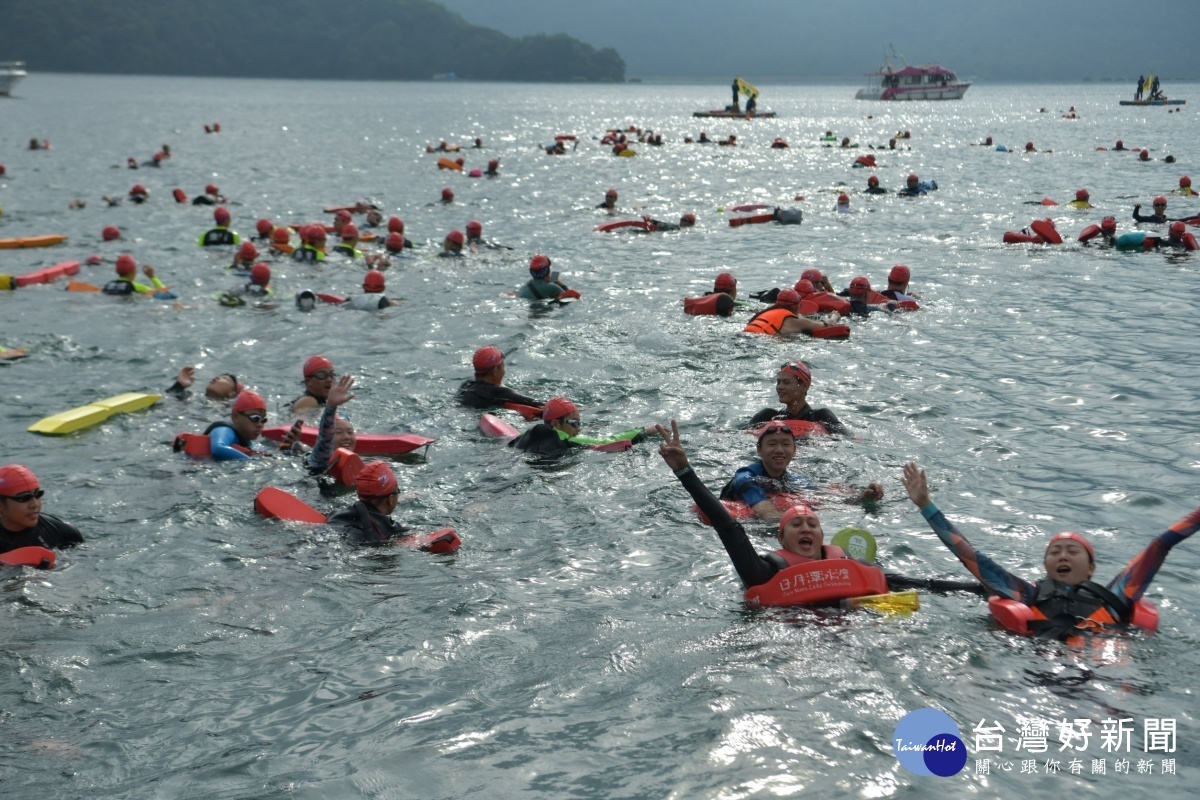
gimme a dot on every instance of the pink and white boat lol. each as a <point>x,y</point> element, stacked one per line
<point>922,82</point>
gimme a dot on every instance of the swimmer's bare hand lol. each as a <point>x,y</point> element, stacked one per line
<point>186,377</point>
<point>340,393</point>
<point>671,449</point>
<point>916,485</point>
<point>874,491</point>
<point>148,271</point>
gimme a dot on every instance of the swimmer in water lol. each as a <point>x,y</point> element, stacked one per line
<point>801,537</point>
<point>558,432</point>
<point>22,522</point>
<point>222,387</point>
<point>246,421</point>
<point>312,244</point>
<point>873,186</point>
<point>125,284</point>
<point>1185,186</point>
<point>452,245</point>
<point>220,235</point>
<point>243,260</point>
<point>318,380</point>
<point>782,317</point>
<point>755,483</point>
<point>1082,199</point>
<point>897,288</point>
<point>1159,215</point>
<point>913,188</point>
<point>543,284</point>
<point>372,298</point>
<point>610,200</point>
<point>1066,597</point>
<point>396,225</point>
<point>486,389</point>
<point>334,432</point>
<point>369,520</point>
<point>791,385</point>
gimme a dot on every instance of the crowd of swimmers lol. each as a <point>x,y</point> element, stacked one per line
<point>1065,598</point>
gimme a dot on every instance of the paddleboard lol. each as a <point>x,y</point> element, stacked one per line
<point>47,274</point>
<point>93,413</point>
<point>45,240</point>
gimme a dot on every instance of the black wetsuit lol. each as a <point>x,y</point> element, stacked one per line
<point>481,394</point>
<point>219,236</point>
<point>542,440</point>
<point>807,414</point>
<point>754,568</point>
<point>876,190</point>
<point>49,532</point>
<point>362,523</point>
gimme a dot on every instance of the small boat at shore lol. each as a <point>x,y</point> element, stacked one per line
<point>921,82</point>
<point>11,73</point>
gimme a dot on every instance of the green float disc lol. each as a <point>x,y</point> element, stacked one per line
<point>857,543</point>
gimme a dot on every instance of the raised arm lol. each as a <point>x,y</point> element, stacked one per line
<point>994,577</point>
<point>1133,581</point>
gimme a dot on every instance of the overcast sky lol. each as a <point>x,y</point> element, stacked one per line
<point>1013,40</point>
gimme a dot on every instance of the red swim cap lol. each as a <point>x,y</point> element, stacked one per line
<point>1074,537</point>
<point>800,370</point>
<point>248,400</point>
<point>1120,143</point>
<point>376,479</point>
<point>316,233</point>
<point>474,228</point>
<point>804,288</point>
<point>813,275</point>
<point>1144,155</point>
<point>539,263</point>
<point>447,193</point>
<point>1177,228</point>
<point>315,364</point>
<point>687,220</point>
<point>788,297</point>
<point>373,282</point>
<point>1160,200</point>
<point>349,231</point>
<point>486,358</point>
<point>16,479</point>
<point>843,199</point>
<point>775,427</point>
<point>1108,224</point>
<point>859,285</point>
<point>799,510</point>
<point>138,189</point>
<point>1082,194</point>
<point>247,250</point>
<point>611,193</point>
<point>281,235</point>
<point>395,241</point>
<point>264,226</point>
<point>344,214</point>
<point>221,215</point>
<point>725,281</point>
<point>260,273</point>
<point>873,180</point>
<point>899,274</point>
<point>395,225</point>
<point>912,178</point>
<point>493,165</point>
<point>211,189</point>
<point>455,236</point>
<point>111,232</point>
<point>1185,182</point>
<point>126,265</point>
<point>557,408</point>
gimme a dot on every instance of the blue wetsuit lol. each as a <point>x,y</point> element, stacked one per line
<point>752,485</point>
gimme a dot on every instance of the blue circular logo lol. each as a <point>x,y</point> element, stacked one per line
<point>928,742</point>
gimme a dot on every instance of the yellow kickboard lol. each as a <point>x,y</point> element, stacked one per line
<point>892,603</point>
<point>93,413</point>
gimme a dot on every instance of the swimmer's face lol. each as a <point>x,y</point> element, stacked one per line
<point>221,387</point>
<point>17,515</point>
<point>374,217</point>
<point>790,388</point>
<point>777,451</point>
<point>249,424</point>
<point>319,383</point>
<point>803,536</point>
<point>1068,562</point>
<point>343,434</point>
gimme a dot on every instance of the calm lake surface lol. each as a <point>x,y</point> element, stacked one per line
<point>589,639</point>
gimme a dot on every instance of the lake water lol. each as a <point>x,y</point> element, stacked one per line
<point>589,639</point>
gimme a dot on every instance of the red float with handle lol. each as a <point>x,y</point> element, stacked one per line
<point>820,582</point>
<point>38,557</point>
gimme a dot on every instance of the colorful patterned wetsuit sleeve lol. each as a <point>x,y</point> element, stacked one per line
<point>1133,581</point>
<point>988,572</point>
<point>322,452</point>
